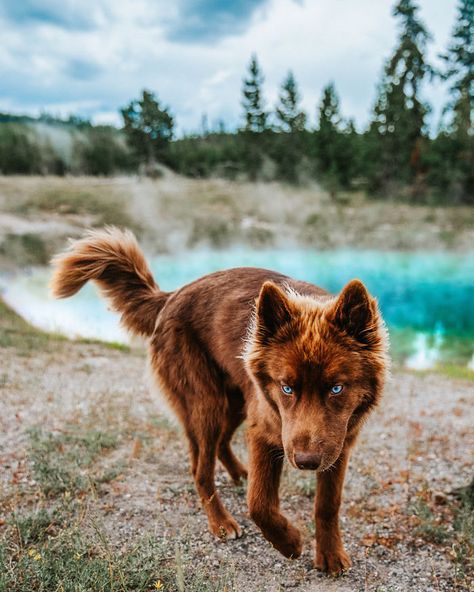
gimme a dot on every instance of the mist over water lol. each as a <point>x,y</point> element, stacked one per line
<point>427,299</point>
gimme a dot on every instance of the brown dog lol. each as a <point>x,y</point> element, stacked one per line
<point>303,366</point>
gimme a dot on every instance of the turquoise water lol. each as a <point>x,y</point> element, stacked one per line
<point>427,299</point>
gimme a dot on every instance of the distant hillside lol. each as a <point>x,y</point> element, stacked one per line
<point>72,121</point>
<point>48,145</point>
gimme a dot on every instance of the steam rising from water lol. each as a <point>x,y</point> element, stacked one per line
<point>427,299</point>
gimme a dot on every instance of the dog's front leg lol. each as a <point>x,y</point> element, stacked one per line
<point>330,553</point>
<point>265,464</point>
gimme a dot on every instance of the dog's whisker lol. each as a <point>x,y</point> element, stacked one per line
<point>276,455</point>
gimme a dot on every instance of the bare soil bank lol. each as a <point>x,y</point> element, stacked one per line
<point>174,213</point>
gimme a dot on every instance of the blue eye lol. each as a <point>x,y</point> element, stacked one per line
<point>337,389</point>
<point>286,389</point>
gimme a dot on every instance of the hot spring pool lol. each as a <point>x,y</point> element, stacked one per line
<point>427,299</point>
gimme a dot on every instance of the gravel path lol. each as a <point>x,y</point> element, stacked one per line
<point>413,452</point>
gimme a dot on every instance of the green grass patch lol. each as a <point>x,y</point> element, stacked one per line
<point>64,462</point>
<point>429,528</point>
<point>27,249</point>
<point>16,332</point>
<point>296,482</point>
<point>455,351</point>
<point>463,524</point>
<point>80,557</point>
<point>71,562</point>
<point>35,528</point>
<point>455,371</point>
<point>64,545</point>
<point>115,345</point>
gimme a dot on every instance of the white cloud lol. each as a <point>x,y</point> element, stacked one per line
<point>96,70</point>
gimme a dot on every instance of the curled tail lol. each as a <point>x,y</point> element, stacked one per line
<point>114,261</point>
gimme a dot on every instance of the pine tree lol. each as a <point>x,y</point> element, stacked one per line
<point>252,100</point>
<point>452,154</point>
<point>336,143</point>
<point>148,127</point>
<point>398,125</point>
<point>460,71</point>
<point>329,118</point>
<point>326,137</point>
<point>288,112</point>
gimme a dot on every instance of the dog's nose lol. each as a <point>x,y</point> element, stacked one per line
<point>307,460</point>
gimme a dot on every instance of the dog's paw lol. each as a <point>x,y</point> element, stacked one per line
<point>226,529</point>
<point>289,542</point>
<point>332,561</point>
<point>237,472</point>
<point>242,475</point>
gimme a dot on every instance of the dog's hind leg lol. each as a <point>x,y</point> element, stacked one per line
<point>196,393</point>
<point>221,522</point>
<point>193,453</point>
<point>234,467</point>
<point>203,425</point>
<point>235,416</point>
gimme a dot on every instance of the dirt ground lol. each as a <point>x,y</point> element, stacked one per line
<point>398,518</point>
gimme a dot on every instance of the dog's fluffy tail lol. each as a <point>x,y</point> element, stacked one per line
<point>114,261</point>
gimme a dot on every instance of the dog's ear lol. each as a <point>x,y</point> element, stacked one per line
<point>273,310</point>
<point>355,312</point>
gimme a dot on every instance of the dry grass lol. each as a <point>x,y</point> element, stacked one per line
<point>177,213</point>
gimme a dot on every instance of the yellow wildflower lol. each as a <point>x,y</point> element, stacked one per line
<point>158,585</point>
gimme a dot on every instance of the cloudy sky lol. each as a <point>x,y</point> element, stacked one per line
<point>92,56</point>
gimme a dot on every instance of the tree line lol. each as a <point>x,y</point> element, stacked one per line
<point>394,157</point>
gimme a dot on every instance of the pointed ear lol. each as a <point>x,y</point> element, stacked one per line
<point>355,312</point>
<point>273,310</point>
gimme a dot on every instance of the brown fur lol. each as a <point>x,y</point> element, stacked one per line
<point>222,347</point>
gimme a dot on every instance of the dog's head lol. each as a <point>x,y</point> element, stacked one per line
<point>320,364</point>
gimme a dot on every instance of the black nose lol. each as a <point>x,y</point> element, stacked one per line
<point>307,460</point>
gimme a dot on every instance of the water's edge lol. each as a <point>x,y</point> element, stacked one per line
<point>427,299</point>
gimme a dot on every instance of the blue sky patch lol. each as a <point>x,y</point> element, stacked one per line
<point>54,12</point>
